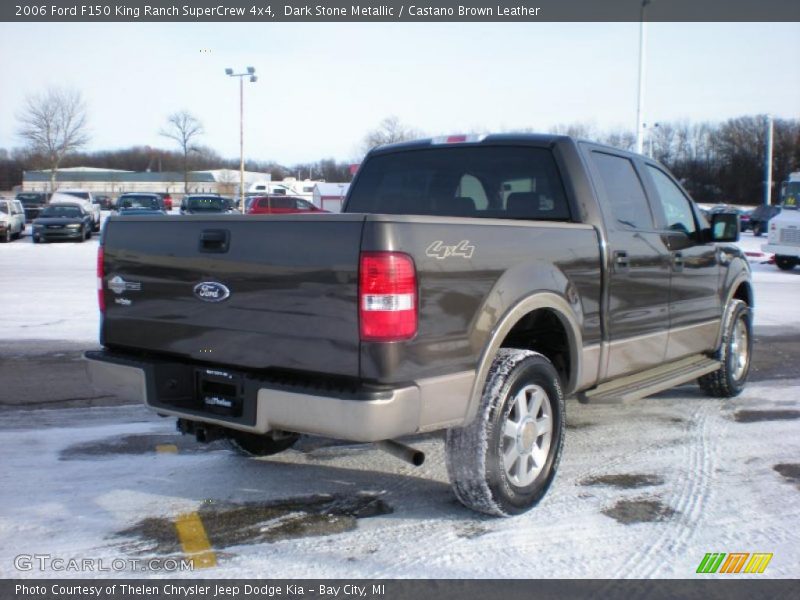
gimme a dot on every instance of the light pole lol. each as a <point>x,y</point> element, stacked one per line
<point>640,101</point>
<point>768,163</point>
<point>251,74</point>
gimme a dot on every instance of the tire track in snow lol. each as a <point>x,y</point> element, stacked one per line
<point>688,499</point>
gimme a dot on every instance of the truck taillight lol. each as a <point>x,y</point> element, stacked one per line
<point>101,301</point>
<point>387,297</point>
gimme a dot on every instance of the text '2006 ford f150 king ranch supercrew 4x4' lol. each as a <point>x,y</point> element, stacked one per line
<point>470,284</point>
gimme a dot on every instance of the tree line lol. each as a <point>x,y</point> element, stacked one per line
<point>716,161</point>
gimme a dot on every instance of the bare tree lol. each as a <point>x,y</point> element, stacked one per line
<point>389,131</point>
<point>53,124</point>
<point>183,127</point>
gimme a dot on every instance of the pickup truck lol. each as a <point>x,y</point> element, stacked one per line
<point>470,284</point>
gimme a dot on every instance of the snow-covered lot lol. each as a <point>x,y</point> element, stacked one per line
<point>644,490</point>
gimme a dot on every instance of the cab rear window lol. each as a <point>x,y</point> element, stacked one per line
<point>479,181</point>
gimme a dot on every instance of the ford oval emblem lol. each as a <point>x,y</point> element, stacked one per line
<point>211,291</point>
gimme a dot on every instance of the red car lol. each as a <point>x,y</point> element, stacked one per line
<point>166,199</point>
<point>276,204</point>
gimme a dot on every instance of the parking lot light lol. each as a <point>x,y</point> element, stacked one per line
<point>250,72</point>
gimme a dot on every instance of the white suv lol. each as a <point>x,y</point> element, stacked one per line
<point>82,197</point>
<point>12,219</point>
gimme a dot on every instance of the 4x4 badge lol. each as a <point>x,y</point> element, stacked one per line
<point>439,251</point>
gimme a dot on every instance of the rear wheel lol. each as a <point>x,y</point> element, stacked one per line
<point>734,354</point>
<point>785,263</point>
<point>253,444</point>
<point>758,229</point>
<point>504,462</point>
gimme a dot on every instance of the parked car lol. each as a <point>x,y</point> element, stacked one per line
<point>760,218</point>
<point>470,285</point>
<point>139,203</point>
<point>12,219</point>
<point>32,202</point>
<point>85,198</point>
<point>205,204</point>
<point>279,204</point>
<point>63,221</point>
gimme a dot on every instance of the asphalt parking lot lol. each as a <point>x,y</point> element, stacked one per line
<point>644,490</point>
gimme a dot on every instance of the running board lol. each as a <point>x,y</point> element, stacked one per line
<point>647,383</point>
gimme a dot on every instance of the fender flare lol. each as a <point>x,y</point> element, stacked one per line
<point>742,277</point>
<point>537,301</point>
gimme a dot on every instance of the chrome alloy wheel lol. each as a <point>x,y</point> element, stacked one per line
<point>527,434</point>
<point>739,349</point>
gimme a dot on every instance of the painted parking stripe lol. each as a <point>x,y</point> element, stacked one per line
<point>194,540</point>
<point>166,448</point>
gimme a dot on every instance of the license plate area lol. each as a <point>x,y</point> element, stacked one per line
<point>219,392</point>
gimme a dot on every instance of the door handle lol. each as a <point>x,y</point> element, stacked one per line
<point>621,261</point>
<point>215,240</point>
<point>677,261</point>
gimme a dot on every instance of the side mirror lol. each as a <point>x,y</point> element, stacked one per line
<point>725,227</point>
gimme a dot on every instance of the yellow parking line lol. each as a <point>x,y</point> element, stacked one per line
<point>167,448</point>
<point>194,540</point>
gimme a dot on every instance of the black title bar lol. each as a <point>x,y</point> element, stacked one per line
<point>400,11</point>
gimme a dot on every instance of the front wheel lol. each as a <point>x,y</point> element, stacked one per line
<point>758,229</point>
<point>734,354</point>
<point>785,263</point>
<point>505,460</point>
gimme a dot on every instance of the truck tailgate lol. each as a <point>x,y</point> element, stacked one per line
<point>291,283</point>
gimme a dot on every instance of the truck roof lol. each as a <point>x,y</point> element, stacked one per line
<point>542,140</point>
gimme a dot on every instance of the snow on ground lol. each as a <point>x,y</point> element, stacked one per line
<point>646,495</point>
<point>643,496</point>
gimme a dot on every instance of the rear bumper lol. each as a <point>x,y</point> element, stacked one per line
<point>781,249</point>
<point>386,414</point>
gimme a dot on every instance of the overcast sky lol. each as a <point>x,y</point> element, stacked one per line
<point>323,86</point>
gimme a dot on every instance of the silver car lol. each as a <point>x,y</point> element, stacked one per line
<point>12,219</point>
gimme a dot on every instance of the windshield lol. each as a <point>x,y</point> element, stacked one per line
<point>488,182</point>
<point>208,203</point>
<point>4,208</point>
<point>55,211</point>
<point>791,195</point>
<point>137,202</point>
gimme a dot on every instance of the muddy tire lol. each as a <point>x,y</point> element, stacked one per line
<point>252,444</point>
<point>503,462</point>
<point>734,353</point>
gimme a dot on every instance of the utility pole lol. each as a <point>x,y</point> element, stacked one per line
<point>768,162</point>
<point>251,74</point>
<point>640,100</point>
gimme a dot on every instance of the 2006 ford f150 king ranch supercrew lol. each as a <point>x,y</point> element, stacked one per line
<point>470,284</point>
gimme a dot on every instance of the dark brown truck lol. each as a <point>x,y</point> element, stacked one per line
<point>470,285</point>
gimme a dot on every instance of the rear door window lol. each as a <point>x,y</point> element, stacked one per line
<point>477,181</point>
<point>624,191</point>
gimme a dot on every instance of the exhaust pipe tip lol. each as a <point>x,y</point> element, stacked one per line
<point>403,452</point>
